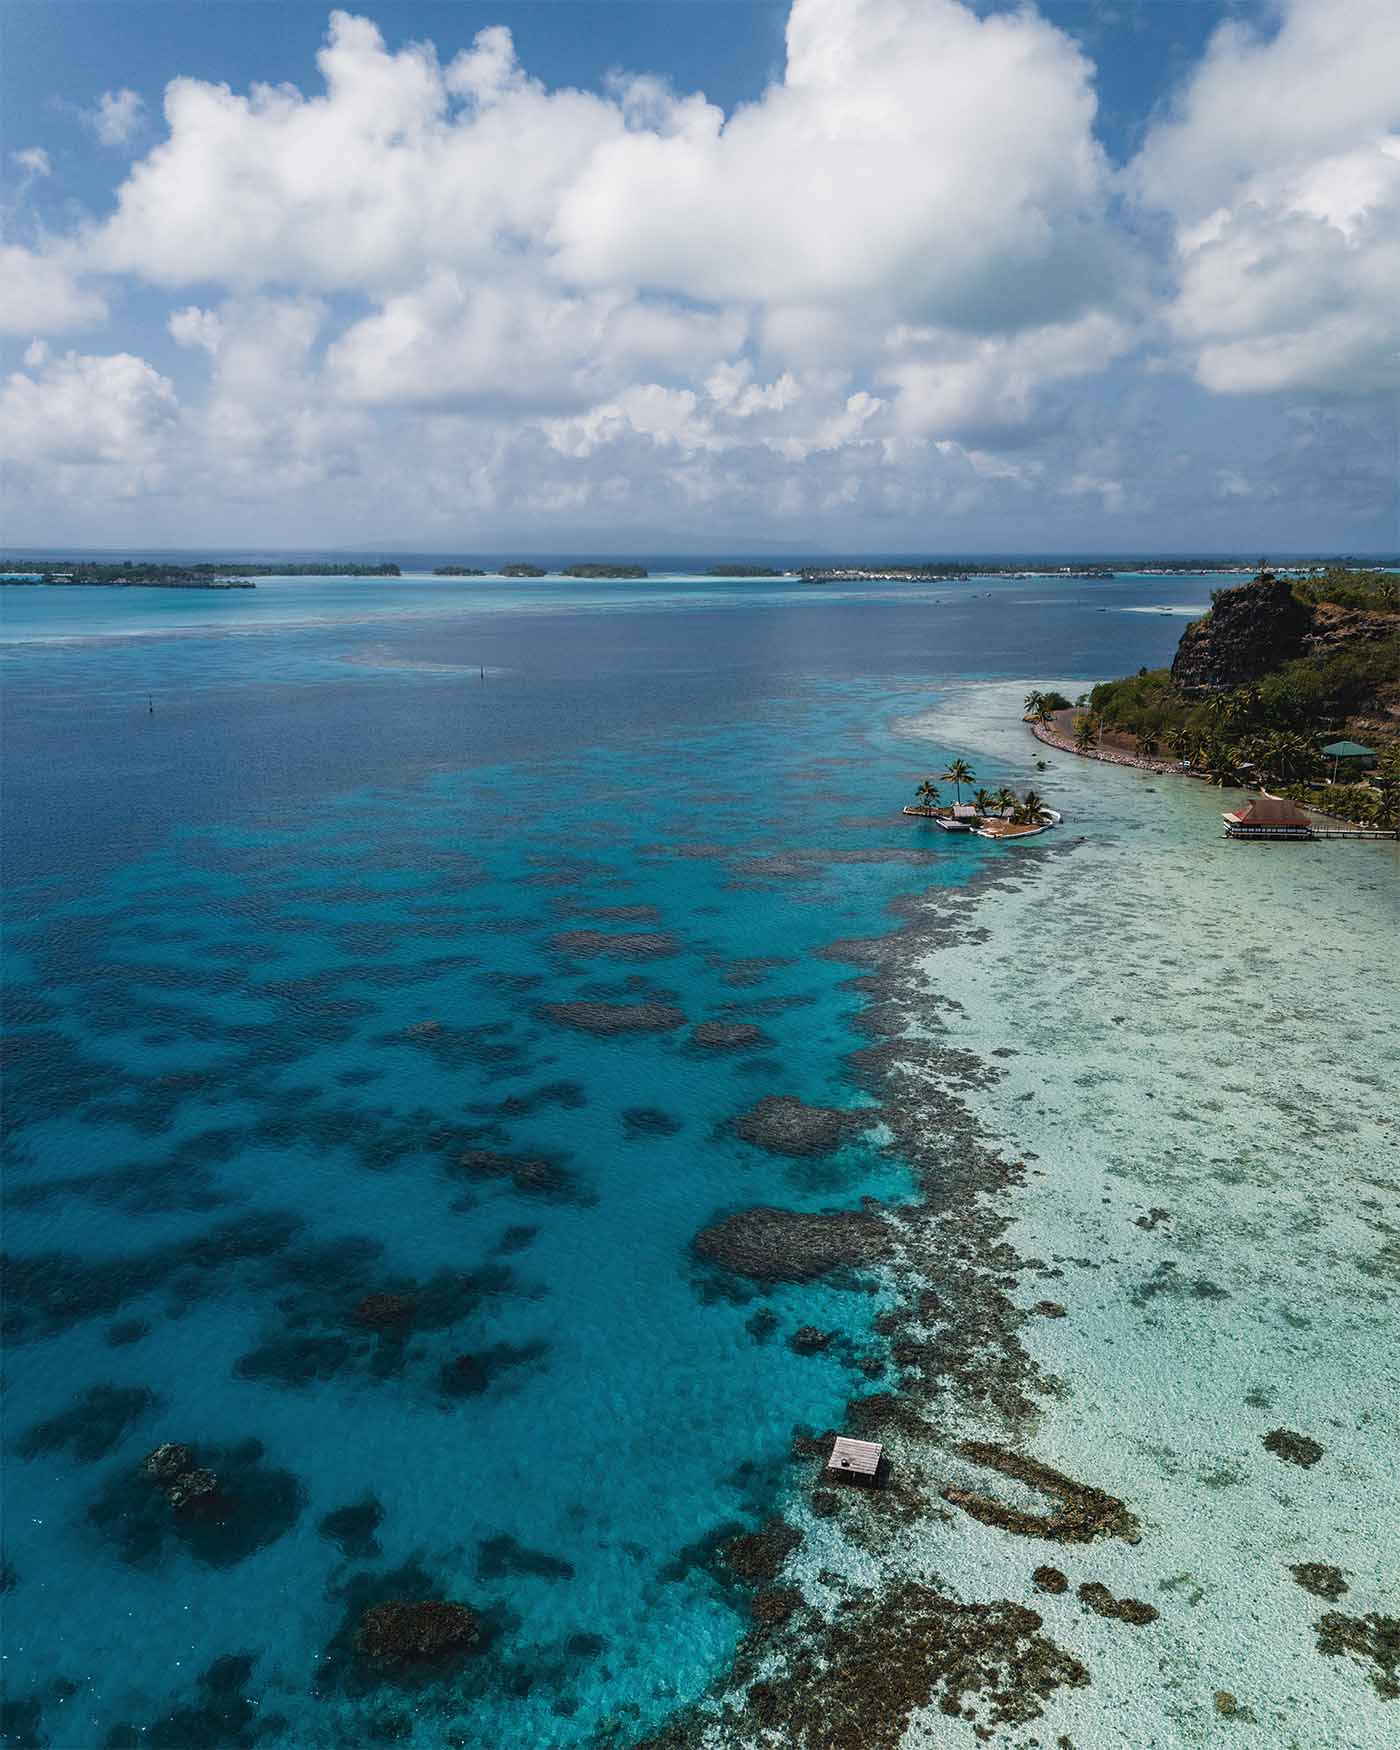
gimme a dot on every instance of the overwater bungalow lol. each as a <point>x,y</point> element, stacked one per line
<point>1267,817</point>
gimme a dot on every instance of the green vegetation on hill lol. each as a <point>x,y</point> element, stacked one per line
<point>1378,592</point>
<point>1344,683</point>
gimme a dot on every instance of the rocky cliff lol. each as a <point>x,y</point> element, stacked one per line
<point>1249,631</point>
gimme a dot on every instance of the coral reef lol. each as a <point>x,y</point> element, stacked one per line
<point>1321,1579</point>
<point>728,1035</point>
<point>784,1245</point>
<point>382,1311</point>
<point>1372,1639</point>
<point>1050,1580</point>
<point>94,1425</point>
<point>1085,1513</point>
<point>808,1340</point>
<point>757,1557</point>
<point>883,1657</point>
<point>399,1631</point>
<point>1294,1448</point>
<point>1102,1602</point>
<point>351,1529</point>
<point>785,1125</point>
<point>607,1019</point>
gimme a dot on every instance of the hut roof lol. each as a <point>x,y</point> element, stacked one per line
<point>1269,811</point>
<point>860,1456</point>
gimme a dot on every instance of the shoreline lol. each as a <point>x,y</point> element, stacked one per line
<point>993,1383</point>
<point>1168,769</point>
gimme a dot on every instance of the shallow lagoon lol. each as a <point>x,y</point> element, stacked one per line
<point>282,953</point>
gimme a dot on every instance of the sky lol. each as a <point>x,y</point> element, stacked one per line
<point>895,276</point>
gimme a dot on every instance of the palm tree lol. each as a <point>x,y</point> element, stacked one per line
<point>1032,806</point>
<point>927,794</point>
<point>1005,800</point>
<point>958,774</point>
<point>1033,701</point>
<point>1086,731</point>
<point>984,802</point>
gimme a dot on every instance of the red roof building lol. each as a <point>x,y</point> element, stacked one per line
<point>1271,817</point>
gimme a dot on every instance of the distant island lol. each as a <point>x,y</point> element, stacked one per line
<point>746,571</point>
<point>1290,684</point>
<point>604,571</point>
<point>142,574</point>
<point>457,571</point>
<point>941,571</point>
<point>520,570</point>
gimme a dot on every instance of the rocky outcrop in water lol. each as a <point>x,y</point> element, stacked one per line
<point>1101,1601</point>
<point>172,1468</point>
<point>785,1125</point>
<point>1293,1448</point>
<point>1249,630</point>
<point>785,1245</point>
<point>402,1632</point>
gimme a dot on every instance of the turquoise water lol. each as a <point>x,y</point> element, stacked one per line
<point>304,881</point>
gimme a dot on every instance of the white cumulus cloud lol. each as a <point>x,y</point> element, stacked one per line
<point>1280,167</point>
<point>40,294</point>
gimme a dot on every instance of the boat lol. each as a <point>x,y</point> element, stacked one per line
<point>958,818</point>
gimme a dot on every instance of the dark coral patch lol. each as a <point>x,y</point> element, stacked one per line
<point>756,1558</point>
<point>641,1122</point>
<point>1321,1579</point>
<point>222,1717</point>
<point>1372,1639</point>
<point>95,1424</point>
<point>498,1557</point>
<point>785,1125</point>
<point>1101,1601</point>
<point>886,1656</point>
<point>610,1019</point>
<point>536,1175</point>
<point>351,1529</point>
<point>254,1504</point>
<point>125,1332</point>
<point>467,1376</point>
<point>1293,1448</point>
<point>1050,1580</point>
<point>401,1632</point>
<point>383,1311</point>
<point>785,1245</point>
<point>48,1292</point>
<point>1084,1512</point>
<point>653,945</point>
<point>729,1036</point>
<point>298,1359</point>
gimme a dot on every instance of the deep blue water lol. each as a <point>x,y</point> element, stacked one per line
<point>286,948</point>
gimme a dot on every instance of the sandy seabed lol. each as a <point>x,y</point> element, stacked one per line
<point>1192,1046</point>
